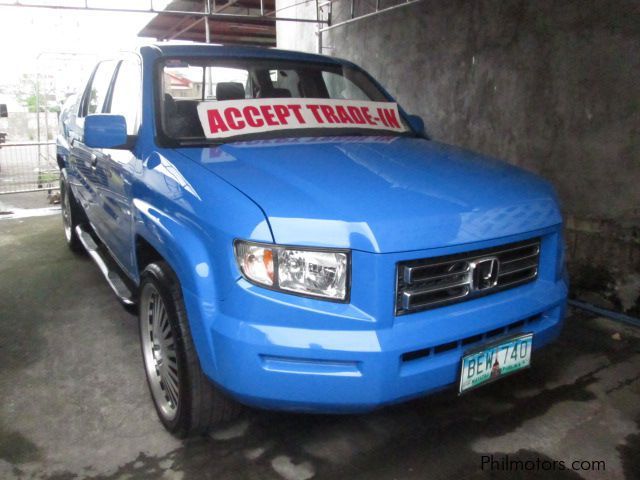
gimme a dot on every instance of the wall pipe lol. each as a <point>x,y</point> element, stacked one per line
<point>605,312</point>
<point>366,15</point>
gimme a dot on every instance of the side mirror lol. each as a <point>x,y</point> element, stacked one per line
<point>3,110</point>
<point>417,124</point>
<point>105,131</point>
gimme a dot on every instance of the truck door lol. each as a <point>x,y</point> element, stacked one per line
<point>82,159</point>
<point>114,166</point>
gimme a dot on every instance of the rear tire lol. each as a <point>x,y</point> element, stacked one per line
<point>186,401</point>
<point>71,213</point>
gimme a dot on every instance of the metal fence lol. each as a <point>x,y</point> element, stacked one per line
<point>28,167</point>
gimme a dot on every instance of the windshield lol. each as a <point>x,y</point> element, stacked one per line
<point>213,100</point>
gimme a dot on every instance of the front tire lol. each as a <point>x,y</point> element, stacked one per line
<point>186,401</point>
<point>70,216</point>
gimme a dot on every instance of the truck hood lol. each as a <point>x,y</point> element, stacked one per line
<point>381,194</point>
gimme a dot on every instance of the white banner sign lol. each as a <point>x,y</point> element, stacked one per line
<point>228,118</point>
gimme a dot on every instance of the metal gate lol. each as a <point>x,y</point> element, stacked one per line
<point>28,167</point>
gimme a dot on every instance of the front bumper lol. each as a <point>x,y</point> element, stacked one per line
<point>274,350</point>
<point>280,365</point>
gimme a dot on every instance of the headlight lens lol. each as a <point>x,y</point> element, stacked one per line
<point>307,272</point>
<point>313,273</point>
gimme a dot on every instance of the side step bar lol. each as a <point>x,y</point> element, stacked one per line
<point>106,266</point>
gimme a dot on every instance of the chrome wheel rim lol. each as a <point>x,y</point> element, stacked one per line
<point>66,210</point>
<point>159,351</point>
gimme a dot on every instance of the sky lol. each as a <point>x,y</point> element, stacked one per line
<point>33,38</point>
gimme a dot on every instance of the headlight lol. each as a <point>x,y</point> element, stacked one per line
<point>318,273</point>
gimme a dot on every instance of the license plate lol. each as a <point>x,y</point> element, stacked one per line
<point>488,363</point>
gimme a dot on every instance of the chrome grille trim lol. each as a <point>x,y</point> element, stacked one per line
<point>433,282</point>
<point>410,272</point>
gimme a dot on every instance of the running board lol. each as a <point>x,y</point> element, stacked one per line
<point>103,260</point>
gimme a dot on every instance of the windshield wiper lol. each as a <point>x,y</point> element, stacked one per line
<point>199,142</point>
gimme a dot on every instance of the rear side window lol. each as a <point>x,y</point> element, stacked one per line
<point>197,82</point>
<point>95,96</point>
<point>287,79</point>
<point>126,96</point>
<point>216,75</point>
<point>340,86</point>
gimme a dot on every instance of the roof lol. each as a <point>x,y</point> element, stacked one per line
<point>207,49</point>
<point>230,30</point>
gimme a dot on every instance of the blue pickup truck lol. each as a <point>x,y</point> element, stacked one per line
<point>292,239</point>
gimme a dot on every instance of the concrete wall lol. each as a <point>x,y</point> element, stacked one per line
<point>296,35</point>
<point>552,86</point>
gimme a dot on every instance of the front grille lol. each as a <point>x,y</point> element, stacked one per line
<point>434,282</point>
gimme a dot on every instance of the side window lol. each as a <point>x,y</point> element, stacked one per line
<point>94,98</point>
<point>183,80</point>
<point>216,75</point>
<point>287,79</point>
<point>126,96</point>
<point>339,86</point>
<point>194,82</point>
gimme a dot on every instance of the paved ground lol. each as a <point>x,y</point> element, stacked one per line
<point>27,205</point>
<point>74,403</point>
<point>12,202</point>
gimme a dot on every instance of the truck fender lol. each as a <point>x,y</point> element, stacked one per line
<point>187,255</point>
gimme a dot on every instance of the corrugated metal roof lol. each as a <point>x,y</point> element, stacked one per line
<point>235,30</point>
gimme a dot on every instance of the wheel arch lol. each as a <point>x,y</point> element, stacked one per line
<point>159,236</point>
<point>145,253</point>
